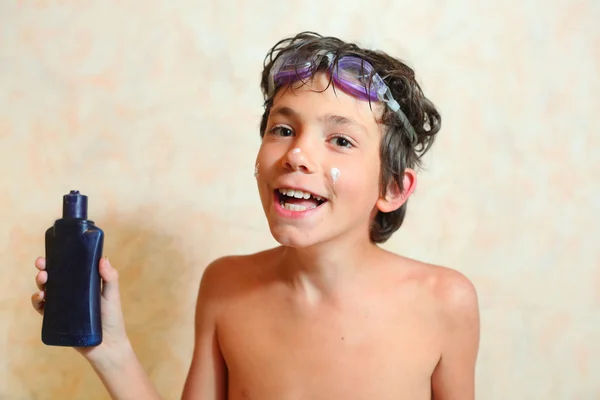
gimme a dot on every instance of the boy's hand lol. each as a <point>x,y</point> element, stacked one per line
<point>115,344</point>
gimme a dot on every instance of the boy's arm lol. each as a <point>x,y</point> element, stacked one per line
<point>125,379</point>
<point>207,377</point>
<point>454,376</point>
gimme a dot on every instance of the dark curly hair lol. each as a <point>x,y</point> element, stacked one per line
<point>400,149</point>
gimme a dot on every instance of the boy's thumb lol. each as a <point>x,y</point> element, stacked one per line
<point>110,276</point>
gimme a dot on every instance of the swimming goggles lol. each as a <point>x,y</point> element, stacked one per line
<point>352,74</point>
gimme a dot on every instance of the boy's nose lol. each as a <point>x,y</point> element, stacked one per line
<point>297,159</point>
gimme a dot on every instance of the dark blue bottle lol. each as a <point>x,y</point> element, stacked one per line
<point>73,252</point>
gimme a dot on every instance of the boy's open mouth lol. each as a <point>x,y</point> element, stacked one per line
<point>297,200</point>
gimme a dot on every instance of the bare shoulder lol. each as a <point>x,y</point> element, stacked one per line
<point>456,302</point>
<point>223,280</point>
<point>228,274</point>
<point>226,279</point>
<point>454,295</point>
<point>454,299</point>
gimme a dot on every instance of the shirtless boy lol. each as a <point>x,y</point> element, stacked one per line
<point>328,314</point>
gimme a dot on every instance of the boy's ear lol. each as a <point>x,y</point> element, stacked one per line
<point>394,198</point>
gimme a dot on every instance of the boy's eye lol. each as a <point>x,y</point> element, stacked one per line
<point>342,142</point>
<point>282,131</point>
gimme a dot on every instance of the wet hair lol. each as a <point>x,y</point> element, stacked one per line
<point>399,149</point>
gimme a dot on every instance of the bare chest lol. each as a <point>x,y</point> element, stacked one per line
<point>355,350</point>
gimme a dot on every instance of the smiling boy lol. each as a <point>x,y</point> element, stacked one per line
<point>328,314</point>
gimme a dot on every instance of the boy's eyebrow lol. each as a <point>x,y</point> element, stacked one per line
<point>285,111</point>
<point>330,118</point>
<point>341,120</point>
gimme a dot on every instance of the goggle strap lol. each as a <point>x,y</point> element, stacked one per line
<point>407,125</point>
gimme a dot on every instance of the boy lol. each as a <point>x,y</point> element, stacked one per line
<point>328,314</point>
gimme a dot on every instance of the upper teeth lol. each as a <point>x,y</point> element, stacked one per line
<point>299,194</point>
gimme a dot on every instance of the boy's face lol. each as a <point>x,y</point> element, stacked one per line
<point>325,144</point>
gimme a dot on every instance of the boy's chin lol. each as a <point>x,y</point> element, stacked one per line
<point>295,238</point>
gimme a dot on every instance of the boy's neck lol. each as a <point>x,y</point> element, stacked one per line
<point>322,270</point>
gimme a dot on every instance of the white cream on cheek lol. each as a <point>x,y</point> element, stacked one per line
<point>256,170</point>
<point>335,174</point>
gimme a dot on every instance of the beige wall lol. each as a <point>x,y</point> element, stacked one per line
<point>152,111</point>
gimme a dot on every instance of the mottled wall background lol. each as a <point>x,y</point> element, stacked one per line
<point>152,110</point>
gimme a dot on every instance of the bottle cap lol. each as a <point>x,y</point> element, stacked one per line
<point>75,205</point>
